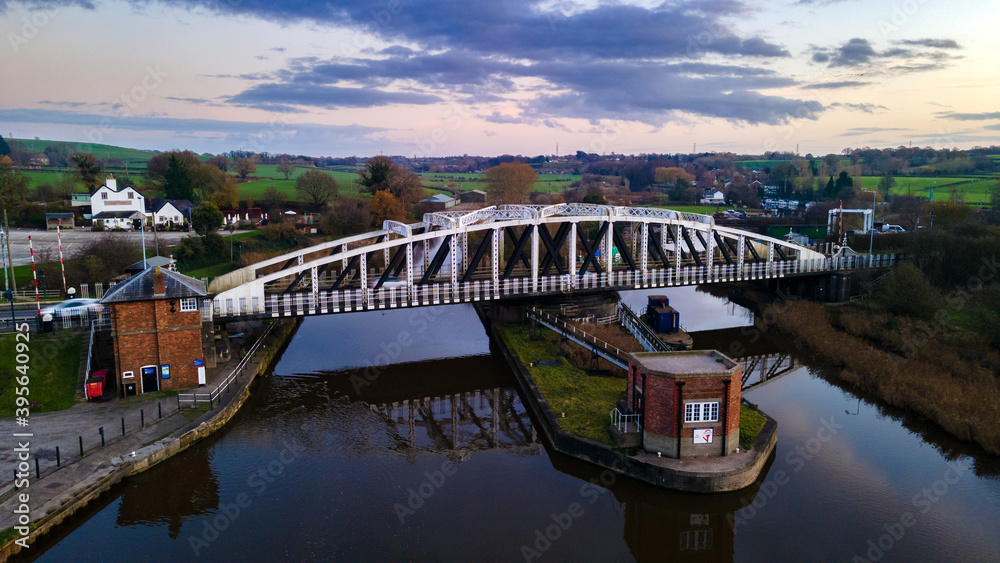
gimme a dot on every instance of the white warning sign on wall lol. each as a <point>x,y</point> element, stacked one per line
<point>702,435</point>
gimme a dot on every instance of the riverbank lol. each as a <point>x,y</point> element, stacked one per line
<point>703,474</point>
<point>928,375</point>
<point>59,494</point>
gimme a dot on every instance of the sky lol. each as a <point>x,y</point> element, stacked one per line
<point>453,77</point>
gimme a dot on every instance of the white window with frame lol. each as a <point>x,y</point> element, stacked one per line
<point>189,304</point>
<point>701,412</point>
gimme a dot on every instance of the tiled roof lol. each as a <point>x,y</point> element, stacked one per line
<point>152,262</point>
<point>140,287</point>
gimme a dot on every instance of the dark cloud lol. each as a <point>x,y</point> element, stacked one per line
<point>855,52</point>
<point>860,53</point>
<point>969,116</point>
<point>200,101</point>
<point>994,127</point>
<point>835,85</point>
<point>281,97</point>
<point>933,43</point>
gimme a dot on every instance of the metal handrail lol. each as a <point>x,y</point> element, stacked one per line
<point>619,419</point>
<point>233,375</point>
<point>580,332</point>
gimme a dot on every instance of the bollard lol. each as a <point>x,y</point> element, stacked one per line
<point>81,446</point>
<point>159,410</point>
<point>101,432</point>
<point>142,419</point>
<point>58,461</point>
<point>38,474</point>
<point>123,427</point>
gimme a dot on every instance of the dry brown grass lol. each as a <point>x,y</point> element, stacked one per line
<point>954,387</point>
<point>612,334</point>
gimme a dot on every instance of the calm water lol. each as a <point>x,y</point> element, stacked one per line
<point>399,436</point>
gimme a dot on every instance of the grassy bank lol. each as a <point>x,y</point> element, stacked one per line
<point>54,361</point>
<point>586,400</point>
<point>751,423</point>
<point>947,378</point>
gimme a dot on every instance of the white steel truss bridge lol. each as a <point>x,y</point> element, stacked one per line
<point>512,251</point>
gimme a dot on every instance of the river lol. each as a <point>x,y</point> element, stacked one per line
<point>398,435</point>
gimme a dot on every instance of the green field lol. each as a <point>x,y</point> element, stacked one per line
<point>546,183</point>
<point>703,209</point>
<point>346,185</point>
<point>967,189</point>
<point>54,359</point>
<point>100,151</point>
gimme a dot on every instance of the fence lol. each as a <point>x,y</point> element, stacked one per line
<point>192,399</point>
<point>50,460</point>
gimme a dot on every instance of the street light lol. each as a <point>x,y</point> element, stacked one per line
<point>871,232</point>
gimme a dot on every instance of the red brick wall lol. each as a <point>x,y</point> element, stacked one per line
<point>661,406</point>
<point>163,341</point>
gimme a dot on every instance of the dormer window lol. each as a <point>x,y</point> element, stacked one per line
<point>104,195</point>
<point>130,195</point>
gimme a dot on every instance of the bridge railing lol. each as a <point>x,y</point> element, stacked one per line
<point>444,292</point>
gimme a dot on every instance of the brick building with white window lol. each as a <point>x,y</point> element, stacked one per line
<point>156,329</point>
<point>688,402</point>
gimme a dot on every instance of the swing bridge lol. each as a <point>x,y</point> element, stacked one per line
<point>513,251</point>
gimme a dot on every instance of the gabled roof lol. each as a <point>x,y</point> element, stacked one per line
<point>58,215</point>
<point>140,287</point>
<point>181,205</point>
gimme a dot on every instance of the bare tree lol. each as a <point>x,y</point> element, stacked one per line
<point>510,182</point>
<point>318,187</point>
<point>285,167</point>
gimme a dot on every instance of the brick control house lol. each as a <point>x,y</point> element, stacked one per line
<point>156,331</point>
<point>689,402</point>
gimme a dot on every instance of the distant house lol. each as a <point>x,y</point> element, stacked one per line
<point>65,220</point>
<point>712,197</point>
<point>171,211</point>
<point>79,200</point>
<point>476,196</point>
<point>109,198</point>
<point>438,202</point>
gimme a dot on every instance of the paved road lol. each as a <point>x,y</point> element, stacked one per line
<point>73,239</point>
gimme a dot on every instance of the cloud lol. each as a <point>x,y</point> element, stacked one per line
<point>857,131</point>
<point>283,97</point>
<point>859,53</point>
<point>864,107</point>
<point>994,127</point>
<point>968,116</point>
<point>934,43</point>
<point>834,85</point>
<point>63,104</point>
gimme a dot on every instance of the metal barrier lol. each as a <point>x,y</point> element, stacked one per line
<point>192,399</point>
<point>620,419</point>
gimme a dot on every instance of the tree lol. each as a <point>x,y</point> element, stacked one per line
<point>221,162</point>
<point>346,216</point>
<point>510,182</point>
<point>405,185</point>
<point>211,184</point>
<point>176,183</point>
<point>885,185</point>
<point>45,193</point>
<point>4,147</point>
<point>206,218</point>
<point>273,196</point>
<point>88,170</point>
<point>385,206</point>
<point>285,167</point>
<point>376,173</point>
<point>244,167</point>
<point>830,191</point>
<point>317,186</point>
<point>13,183</point>
<point>673,175</point>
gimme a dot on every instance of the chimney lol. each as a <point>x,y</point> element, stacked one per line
<point>159,283</point>
<point>112,183</point>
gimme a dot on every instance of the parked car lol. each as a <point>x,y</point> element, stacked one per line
<point>74,306</point>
